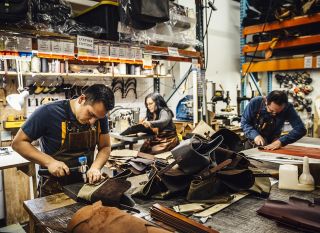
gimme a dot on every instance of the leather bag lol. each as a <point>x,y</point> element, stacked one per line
<point>97,218</point>
<point>145,14</point>
<point>13,11</point>
<point>193,155</point>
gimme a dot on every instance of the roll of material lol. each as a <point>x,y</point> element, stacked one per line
<point>62,67</point>
<point>122,68</point>
<point>35,64</point>
<point>44,65</point>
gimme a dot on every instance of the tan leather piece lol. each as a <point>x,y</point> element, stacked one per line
<point>297,151</point>
<point>97,218</point>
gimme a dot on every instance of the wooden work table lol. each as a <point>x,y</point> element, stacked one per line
<point>57,210</point>
<point>241,216</point>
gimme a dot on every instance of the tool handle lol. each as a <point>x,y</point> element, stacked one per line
<point>45,172</point>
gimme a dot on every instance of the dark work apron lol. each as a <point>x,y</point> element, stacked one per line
<point>80,140</point>
<point>162,142</point>
<point>265,125</point>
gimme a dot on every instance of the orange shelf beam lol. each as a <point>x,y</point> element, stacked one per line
<point>296,21</point>
<point>295,63</point>
<point>300,41</point>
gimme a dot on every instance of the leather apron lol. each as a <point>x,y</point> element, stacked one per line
<point>80,140</point>
<point>265,125</point>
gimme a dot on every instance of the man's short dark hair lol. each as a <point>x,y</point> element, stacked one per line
<point>100,92</point>
<point>278,97</point>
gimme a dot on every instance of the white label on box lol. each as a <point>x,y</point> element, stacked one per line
<point>68,48</point>
<point>85,42</point>
<point>147,60</point>
<point>308,62</point>
<point>57,47</point>
<point>24,44</point>
<point>114,52</point>
<point>138,54</point>
<point>95,51</point>
<point>104,50</point>
<point>11,44</point>
<point>318,61</point>
<point>173,51</point>
<point>131,53</point>
<point>83,52</point>
<point>44,46</point>
<point>122,53</point>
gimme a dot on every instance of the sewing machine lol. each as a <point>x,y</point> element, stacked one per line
<point>122,118</point>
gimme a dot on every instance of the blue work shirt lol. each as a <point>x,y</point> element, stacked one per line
<point>248,121</point>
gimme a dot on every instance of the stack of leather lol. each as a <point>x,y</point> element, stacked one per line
<point>297,213</point>
<point>178,221</point>
<point>136,161</point>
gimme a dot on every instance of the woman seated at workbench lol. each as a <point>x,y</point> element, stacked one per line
<point>159,119</point>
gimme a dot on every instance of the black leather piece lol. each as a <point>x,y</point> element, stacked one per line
<point>193,155</point>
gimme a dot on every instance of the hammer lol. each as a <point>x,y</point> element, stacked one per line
<point>83,168</point>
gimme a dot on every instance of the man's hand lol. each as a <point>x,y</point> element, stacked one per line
<point>259,140</point>
<point>273,146</point>
<point>93,175</point>
<point>58,168</point>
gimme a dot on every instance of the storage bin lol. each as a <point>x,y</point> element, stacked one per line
<point>104,14</point>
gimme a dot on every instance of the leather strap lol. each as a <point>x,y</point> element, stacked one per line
<point>178,221</point>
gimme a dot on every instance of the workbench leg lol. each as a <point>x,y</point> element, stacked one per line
<point>32,174</point>
<point>31,225</point>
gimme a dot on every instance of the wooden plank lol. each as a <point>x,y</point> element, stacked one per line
<point>300,41</point>
<point>296,21</point>
<point>16,190</point>
<point>294,63</point>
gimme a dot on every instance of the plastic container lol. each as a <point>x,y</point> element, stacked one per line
<point>104,14</point>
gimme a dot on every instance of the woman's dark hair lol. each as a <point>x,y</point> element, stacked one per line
<point>160,104</point>
<point>100,93</point>
<point>278,97</point>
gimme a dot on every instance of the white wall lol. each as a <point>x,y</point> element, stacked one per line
<point>223,48</point>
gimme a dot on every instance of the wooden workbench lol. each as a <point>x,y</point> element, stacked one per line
<point>241,216</point>
<point>57,210</point>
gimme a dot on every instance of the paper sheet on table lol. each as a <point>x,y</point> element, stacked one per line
<point>216,208</point>
<point>124,153</point>
<point>164,155</point>
<point>191,207</point>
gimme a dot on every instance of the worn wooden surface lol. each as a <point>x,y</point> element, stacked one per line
<point>16,190</point>
<point>239,217</point>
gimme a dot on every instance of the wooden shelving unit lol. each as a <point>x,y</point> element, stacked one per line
<point>293,63</point>
<point>296,21</point>
<point>300,41</point>
<point>85,75</point>
<point>286,63</point>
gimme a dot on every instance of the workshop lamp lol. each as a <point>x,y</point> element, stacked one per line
<point>16,101</point>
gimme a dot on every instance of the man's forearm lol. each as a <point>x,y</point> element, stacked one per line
<point>102,157</point>
<point>29,152</point>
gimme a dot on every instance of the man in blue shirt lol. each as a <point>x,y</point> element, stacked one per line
<point>264,117</point>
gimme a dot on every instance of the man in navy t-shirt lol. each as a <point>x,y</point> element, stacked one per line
<point>67,130</point>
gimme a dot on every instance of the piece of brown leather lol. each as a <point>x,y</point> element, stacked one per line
<point>297,212</point>
<point>97,218</point>
<point>297,151</point>
<point>178,221</point>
